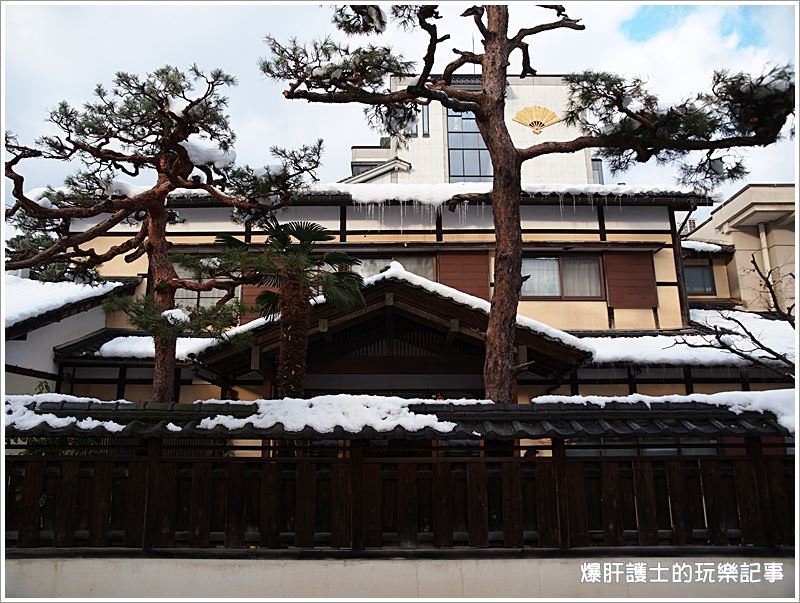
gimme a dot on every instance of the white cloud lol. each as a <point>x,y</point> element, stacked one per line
<point>61,52</point>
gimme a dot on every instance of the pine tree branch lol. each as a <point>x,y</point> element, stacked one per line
<point>564,22</point>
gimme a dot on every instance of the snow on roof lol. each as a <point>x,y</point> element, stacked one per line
<point>677,349</point>
<point>20,413</point>
<point>780,402</point>
<point>701,246</point>
<point>351,412</point>
<point>775,334</point>
<point>437,194</point>
<point>142,346</point>
<point>324,414</point>
<point>26,298</point>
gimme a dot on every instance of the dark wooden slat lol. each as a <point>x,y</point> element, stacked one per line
<point>713,497</point>
<point>782,510</point>
<point>512,504</point>
<point>442,505</point>
<point>372,488</point>
<point>64,524</point>
<point>304,513</point>
<point>562,502</point>
<point>234,508</point>
<point>135,487</point>
<point>679,508</point>
<point>477,505</point>
<point>201,504</point>
<point>612,517</point>
<point>547,514</point>
<point>166,504</point>
<point>578,513</point>
<point>28,524</point>
<point>748,503</point>
<point>101,504</point>
<point>407,517</point>
<point>341,506</point>
<point>647,521</point>
<point>270,508</point>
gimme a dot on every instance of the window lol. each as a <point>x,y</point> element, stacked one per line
<point>426,120</point>
<point>419,265</point>
<point>197,299</point>
<point>699,280</point>
<point>424,116</point>
<point>597,171</point>
<point>469,158</point>
<point>566,276</point>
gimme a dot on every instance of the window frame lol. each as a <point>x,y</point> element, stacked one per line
<point>710,268</point>
<point>562,296</point>
<point>480,149</point>
<point>399,258</point>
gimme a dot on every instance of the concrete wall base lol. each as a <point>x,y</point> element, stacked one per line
<point>531,577</point>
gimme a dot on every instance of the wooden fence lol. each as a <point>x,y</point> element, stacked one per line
<point>357,501</point>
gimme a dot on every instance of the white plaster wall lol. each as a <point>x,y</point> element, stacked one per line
<point>428,156</point>
<point>484,578</point>
<point>36,352</point>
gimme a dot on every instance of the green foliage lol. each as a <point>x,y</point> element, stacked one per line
<point>360,19</point>
<point>634,127</point>
<point>146,314</point>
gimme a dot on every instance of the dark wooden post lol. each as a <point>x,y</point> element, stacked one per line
<point>562,498</point>
<point>150,516</point>
<point>357,493</point>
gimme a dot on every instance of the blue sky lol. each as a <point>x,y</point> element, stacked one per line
<point>61,51</point>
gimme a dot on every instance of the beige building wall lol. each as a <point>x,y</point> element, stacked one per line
<point>760,222</point>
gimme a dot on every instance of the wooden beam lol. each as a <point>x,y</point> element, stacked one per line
<point>455,328</point>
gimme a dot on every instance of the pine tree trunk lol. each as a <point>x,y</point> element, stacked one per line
<point>161,273</point>
<point>294,307</point>
<point>498,371</point>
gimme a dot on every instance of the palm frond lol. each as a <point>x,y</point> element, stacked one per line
<point>339,260</point>
<point>308,232</point>
<point>231,242</point>
<point>342,289</point>
<point>277,236</point>
<point>268,303</point>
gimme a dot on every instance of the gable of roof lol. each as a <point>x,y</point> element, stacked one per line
<point>392,165</point>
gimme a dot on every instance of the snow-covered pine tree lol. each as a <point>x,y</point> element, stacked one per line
<point>619,117</point>
<point>170,129</point>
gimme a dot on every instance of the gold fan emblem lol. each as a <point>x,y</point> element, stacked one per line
<point>536,118</point>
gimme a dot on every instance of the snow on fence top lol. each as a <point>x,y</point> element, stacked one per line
<point>142,346</point>
<point>438,194</point>
<point>26,298</point>
<point>323,414</point>
<point>780,402</point>
<point>701,246</point>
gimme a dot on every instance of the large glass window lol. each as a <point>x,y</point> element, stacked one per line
<point>562,277</point>
<point>418,264</point>
<point>699,280</point>
<point>469,159</point>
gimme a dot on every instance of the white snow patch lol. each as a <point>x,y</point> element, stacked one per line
<point>176,316</point>
<point>780,402</point>
<point>778,335</point>
<point>26,298</point>
<point>203,151</point>
<point>210,263</point>
<point>324,413</point>
<point>20,413</point>
<point>142,346</point>
<point>701,246</point>
<point>172,427</point>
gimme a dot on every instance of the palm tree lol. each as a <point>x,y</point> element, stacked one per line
<point>296,273</point>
